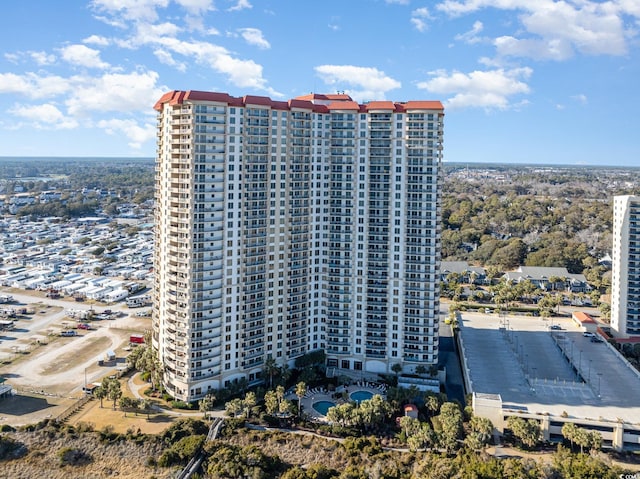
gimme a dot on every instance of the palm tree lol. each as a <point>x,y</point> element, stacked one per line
<point>100,392</point>
<point>270,369</point>
<point>146,405</point>
<point>301,390</point>
<point>206,404</point>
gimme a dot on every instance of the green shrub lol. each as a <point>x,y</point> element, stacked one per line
<point>10,448</point>
<point>73,457</point>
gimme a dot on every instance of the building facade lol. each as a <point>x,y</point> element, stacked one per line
<point>625,280</point>
<point>285,227</point>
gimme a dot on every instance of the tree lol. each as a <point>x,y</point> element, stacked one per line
<point>432,404</point>
<point>419,435</point>
<point>248,403</point>
<point>396,368</point>
<point>100,392</point>
<point>528,432</point>
<point>147,406</point>
<point>234,407</point>
<point>480,434</point>
<point>594,440</point>
<point>127,403</point>
<point>421,369</point>
<point>270,369</point>
<point>569,430</point>
<point>207,403</point>
<point>581,438</point>
<point>451,422</point>
<point>301,390</point>
<point>114,391</point>
<point>271,402</point>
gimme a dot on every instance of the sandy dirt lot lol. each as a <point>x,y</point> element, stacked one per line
<point>52,370</point>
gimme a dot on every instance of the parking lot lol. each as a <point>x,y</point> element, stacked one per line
<point>532,365</point>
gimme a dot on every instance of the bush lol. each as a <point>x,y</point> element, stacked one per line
<point>183,405</point>
<point>10,448</point>
<point>7,428</point>
<point>183,428</point>
<point>369,446</point>
<point>73,457</point>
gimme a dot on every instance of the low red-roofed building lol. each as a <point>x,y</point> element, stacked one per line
<point>585,322</point>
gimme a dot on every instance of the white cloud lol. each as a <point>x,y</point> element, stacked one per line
<point>471,36</point>
<point>557,29</point>
<point>552,49</point>
<point>491,89</point>
<point>35,86</point>
<point>370,83</point>
<point>137,134</point>
<point>82,55</point>
<point>253,36</point>
<point>43,58</point>
<point>241,73</point>
<point>165,57</point>
<point>418,17</point>
<point>241,5</point>
<point>96,40</point>
<point>12,57</point>
<point>580,98</point>
<point>137,10</point>
<point>45,116</point>
<point>149,33</point>
<point>196,6</point>
<point>133,92</point>
<point>334,23</point>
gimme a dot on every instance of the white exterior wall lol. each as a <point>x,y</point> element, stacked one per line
<point>625,279</point>
<point>269,232</point>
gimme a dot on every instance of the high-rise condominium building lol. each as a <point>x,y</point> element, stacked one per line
<point>285,227</point>
<point>625,280</point>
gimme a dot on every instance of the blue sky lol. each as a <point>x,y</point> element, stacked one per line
<point>539,81</point>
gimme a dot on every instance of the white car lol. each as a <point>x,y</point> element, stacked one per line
<point>587,334</point>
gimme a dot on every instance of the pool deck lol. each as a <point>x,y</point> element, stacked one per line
<point>322,394</point>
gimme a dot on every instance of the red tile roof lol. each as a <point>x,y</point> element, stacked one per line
<point>337,102</point>
<point>583,317</point>
<point>343,105</point>
<point>380,105</point>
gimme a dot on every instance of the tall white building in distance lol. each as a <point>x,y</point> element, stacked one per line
<point>285,227</point>
<point>625,280</point>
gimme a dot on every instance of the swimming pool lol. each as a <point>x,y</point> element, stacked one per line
<point>323,406</point>
<point>360,396</point>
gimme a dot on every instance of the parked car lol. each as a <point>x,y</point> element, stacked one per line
<point>555,327</point>
<point>68,333</point>
<point>587,334</point>
<point>596,339</point>
<point>83,326</point>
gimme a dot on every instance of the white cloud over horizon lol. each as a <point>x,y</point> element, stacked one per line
<point>490,90</point>
<point>367,82</point>
<point>557,30</point>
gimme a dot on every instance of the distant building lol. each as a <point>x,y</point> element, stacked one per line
<point>468,274</point>
<point>625,279</point>
<point>286,227</point>
<point>550,278</point>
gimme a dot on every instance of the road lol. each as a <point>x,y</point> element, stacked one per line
<point>448,357</point>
